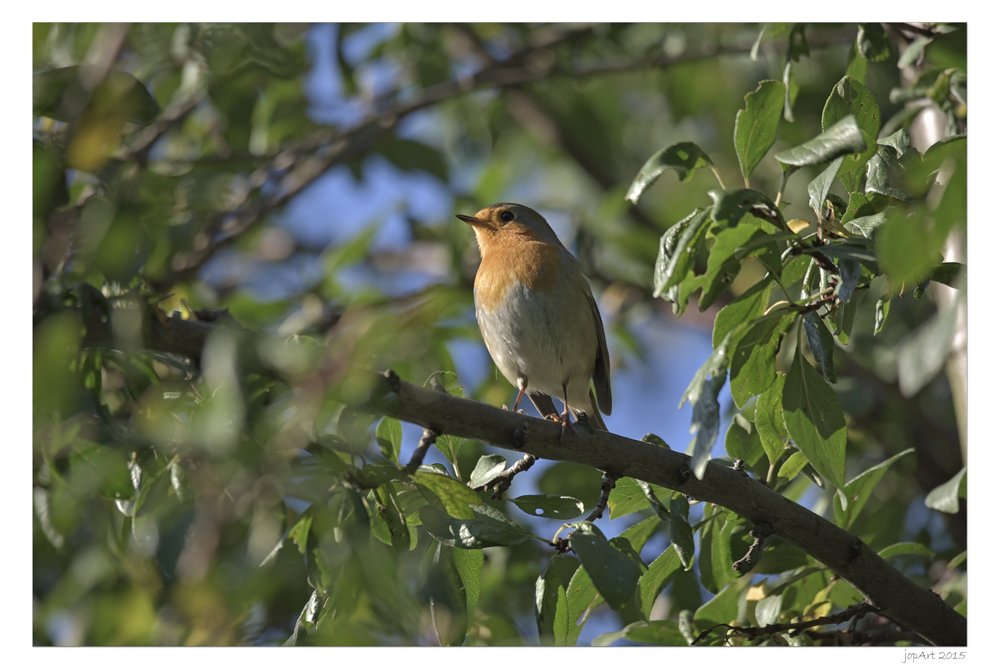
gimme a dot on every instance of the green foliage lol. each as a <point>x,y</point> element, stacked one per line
<point>232,493</point>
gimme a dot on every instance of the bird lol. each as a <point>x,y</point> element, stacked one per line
<point>538,316</point>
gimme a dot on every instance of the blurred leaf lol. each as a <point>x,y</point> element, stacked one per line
<point>389,436</point>
<point>905,548</point>
<point>815,420</point>
<point>945,497</point>
<point>549,505</point>
<point>873,43</point>
<point>683,157</point>
<point>614,574</point>
<point>703,395</point>
<point>923,353</point>
<point>409,155</point>
<point>757,125</point>
<point>59,94</point>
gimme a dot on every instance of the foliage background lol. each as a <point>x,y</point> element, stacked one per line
<point>344,258</point>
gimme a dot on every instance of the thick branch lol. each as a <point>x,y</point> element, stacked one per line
<point>919,609</point>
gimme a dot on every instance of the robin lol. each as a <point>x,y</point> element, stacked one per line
<point>538,316</point>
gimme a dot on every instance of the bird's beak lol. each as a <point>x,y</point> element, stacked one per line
<point>471,220</point>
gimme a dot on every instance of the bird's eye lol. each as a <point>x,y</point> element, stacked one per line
<point>507,216</point>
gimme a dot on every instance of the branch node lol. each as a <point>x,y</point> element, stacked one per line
<point>520,436</point>
<point>684,473</point>
<point>394,380</point>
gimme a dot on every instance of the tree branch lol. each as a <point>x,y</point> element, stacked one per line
<point>919,609</point>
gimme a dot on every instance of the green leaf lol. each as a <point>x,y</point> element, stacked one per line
<point>659,632</point>
<point>819,187</point>
<point>723,265</point>
<point>866,225</point>
<point>792,466</point>
<point>681,534</point>
<point>627,497</point>
<point>757,125</point>
<point>754,352</point>
<point>897,549</point>
<point>721,609</point>
<point>885,174</point>
<point>703,394</point>
<point>770,421</point>
<point>677,247</point>
<point>555,626</point>
<point>820,343</point>
<point>487,468</point>
<point>550,505</point>
<point>389,512</point>
<point>488,528</point>
<point>839,139</point>
<point>448,596</point>
<point>945,497</point>
<point>299,533</point>
<point>389,436</point>
<point>731,204</point>
<point>447,494</point>
<point>743,441</point>
<point>747,307</point>
<point>850,98</point>
<point>684,158</point>
<point>882,312</point>
<point>844,318</point>
<point>948,273</point>
<point>614,574</point>
<point>815,420</point>
<point>641,531</point>
<point>923,353</point>
<point>873,43</point>
<point>715,562</point>
<point>120,97</point>
<point>654,580</point>
<point>469,564</point>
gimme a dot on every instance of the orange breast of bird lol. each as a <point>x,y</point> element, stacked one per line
<point>515,257</point>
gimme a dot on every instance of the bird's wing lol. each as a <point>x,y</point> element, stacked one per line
<point>602,366</point>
